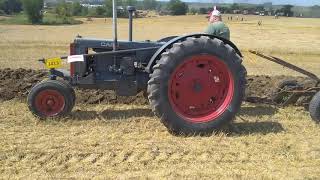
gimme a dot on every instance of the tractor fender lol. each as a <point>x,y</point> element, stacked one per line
<point>170,43</point>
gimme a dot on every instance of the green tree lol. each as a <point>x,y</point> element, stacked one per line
<point>76,9</point>
<point>286,9</point>
<point>33,9</point>
<point>150,4</point>
<point>235,6</point>
<point>130,2</point>
<point>123,3</point>
<point>203,10</point>
<point>84,11</point>
<point>100,11</point>
<point>108,6</point>
<point>176,7</point>
<point>259,8</point>
<point>10,6</point>
<point>64,9</point>
<point>2,5</point>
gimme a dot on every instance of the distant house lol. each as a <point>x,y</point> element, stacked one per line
<point>91,5</point>
<point>236,11</point>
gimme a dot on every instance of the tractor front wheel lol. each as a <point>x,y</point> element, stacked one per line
<point>49,99</point>
<point>197,86</point>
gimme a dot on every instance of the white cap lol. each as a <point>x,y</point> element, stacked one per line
<point>215,12</point>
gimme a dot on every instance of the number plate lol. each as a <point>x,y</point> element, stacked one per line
<point>53,63</point>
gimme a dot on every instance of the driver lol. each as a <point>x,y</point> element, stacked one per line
<point>216,26</point>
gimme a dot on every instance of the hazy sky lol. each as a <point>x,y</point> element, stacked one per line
<point>295,2</point>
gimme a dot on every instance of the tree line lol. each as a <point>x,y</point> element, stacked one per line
<point>34,9</point>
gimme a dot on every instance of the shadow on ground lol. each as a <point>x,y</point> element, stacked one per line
<point>238,128</point>
<point>246,128</point>
<point>111,114</point>
<point>258,110</point>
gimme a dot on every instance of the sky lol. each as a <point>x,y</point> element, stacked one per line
<point>275,2</point>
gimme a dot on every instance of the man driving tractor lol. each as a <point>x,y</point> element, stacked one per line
<point>216,26</point>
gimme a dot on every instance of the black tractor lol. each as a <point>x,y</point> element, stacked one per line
<point>195,83</point>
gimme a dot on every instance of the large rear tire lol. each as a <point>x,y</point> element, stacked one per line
<point>50,99</point>
<point>197,86</point>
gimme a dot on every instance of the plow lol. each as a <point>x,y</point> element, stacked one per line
<point>195,83</point>
<point>289,91</point>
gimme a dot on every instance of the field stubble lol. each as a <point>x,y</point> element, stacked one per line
<point>126,140</point>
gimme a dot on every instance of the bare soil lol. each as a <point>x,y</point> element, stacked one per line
<point>16,83</point>
<point>260,88</point>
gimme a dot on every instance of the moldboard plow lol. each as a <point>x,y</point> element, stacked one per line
<point>289,91</point>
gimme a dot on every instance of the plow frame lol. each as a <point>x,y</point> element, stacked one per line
<point>297,92</point>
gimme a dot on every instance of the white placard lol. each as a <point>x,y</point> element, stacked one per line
<point>75,58</point>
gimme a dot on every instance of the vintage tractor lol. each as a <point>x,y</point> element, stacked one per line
<point>195,83</point>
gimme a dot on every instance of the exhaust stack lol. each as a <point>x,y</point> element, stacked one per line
<point>114,24</point>
<point>130,9</point>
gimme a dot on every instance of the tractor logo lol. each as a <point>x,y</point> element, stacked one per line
<point>107,44</point>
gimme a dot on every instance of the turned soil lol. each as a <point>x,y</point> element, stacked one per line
<point>16,83</point>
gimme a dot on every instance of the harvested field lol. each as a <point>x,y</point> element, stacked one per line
<point>116,137</point>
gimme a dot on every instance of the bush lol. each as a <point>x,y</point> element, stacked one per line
<point>60,21</point>
<point>193,11</point>
<point>33,9</point>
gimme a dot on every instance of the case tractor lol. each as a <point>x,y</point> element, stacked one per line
<point>194,83</point>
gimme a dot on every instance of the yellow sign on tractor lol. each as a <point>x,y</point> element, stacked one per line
<point>53,63</point>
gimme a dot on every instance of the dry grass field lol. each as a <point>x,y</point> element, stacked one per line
<point>127,141</point>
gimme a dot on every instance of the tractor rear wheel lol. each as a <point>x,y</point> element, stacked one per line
<point>50,98</point>
<point>314,107</point>
<point>197,86</point>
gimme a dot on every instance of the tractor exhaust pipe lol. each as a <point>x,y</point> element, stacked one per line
<point>114,24</point>
<point>130,9</point>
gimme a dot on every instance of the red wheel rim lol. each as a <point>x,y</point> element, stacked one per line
<point>49,102</point>
<point>201,88</point>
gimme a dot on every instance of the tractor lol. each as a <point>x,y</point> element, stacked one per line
<point>194,83</point>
